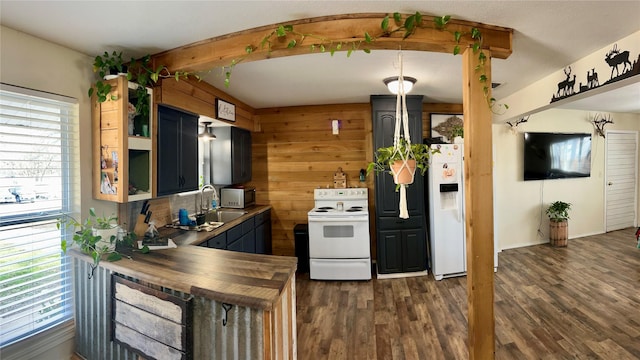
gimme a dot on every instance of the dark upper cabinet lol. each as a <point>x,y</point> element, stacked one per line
<point>401,243</point>
<point>177,151</point>
<point>231,156</point>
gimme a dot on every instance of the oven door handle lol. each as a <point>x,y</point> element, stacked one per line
<point>338,219</point>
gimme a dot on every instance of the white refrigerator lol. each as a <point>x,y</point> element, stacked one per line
<point>446,211</point>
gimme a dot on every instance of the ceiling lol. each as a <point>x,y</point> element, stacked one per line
<point>548,35</point>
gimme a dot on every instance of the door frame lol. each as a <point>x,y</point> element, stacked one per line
<point>606,176</point>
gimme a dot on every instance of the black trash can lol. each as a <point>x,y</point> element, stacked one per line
<point>301,236</point>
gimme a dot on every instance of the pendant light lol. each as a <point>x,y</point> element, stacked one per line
<point>207,134</point>
<point>393,84</point>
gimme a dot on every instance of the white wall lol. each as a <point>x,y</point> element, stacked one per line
<point>520,205</point>
<point>33,63</point>
<point>30,62</point>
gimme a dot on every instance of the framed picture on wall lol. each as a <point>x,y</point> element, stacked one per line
<point>225,110</point>
<point>446,126</point>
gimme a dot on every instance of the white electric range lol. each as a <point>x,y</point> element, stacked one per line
<point>339,243</point>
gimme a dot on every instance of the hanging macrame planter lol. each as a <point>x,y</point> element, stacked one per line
<point>403,171</point>
<point>404,168</point>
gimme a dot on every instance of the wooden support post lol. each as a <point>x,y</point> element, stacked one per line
<point>478,206</point>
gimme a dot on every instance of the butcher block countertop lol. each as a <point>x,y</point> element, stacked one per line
<point>243,279</point>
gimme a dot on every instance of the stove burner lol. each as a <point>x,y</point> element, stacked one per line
<point>322,210</point>
<point>325,208</point>
<point>354,209</point>
<point>357,207</point>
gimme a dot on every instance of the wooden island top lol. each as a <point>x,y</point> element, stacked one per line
<point>252,280</point>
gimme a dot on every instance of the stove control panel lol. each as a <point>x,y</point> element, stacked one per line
<point>340,194</point>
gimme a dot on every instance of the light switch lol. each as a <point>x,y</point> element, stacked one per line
<point>335,126</point>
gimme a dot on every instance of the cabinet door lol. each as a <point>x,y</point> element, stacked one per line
<point>240,155</point>
<point>263,233</point>
<point>177,151</point>
<point>249,242</point>
<point>389,251</point>
<point>218,241</point>
<point>260,248</point>
<point>189,152</point>
<point>235,246</point>
<point>414,250</point>
<point>387,199</point>
<point>169,177</point>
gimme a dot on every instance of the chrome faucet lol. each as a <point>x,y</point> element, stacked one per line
<point>215,196</point>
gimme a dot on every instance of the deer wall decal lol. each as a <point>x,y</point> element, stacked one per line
<point>615,58</point>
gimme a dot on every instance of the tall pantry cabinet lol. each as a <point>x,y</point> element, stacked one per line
<point>401,243</point>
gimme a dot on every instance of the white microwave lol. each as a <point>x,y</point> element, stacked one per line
<point>237,197</point>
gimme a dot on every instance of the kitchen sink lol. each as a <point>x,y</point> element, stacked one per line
<point>224,215</point>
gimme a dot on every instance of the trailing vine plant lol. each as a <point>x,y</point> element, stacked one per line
<point>408,26</point>
<point>143,73</point>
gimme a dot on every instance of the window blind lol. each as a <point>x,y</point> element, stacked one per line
<point>38,142</point>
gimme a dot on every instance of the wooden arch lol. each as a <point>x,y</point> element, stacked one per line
<point>222,50</point>
<point>497,42</point>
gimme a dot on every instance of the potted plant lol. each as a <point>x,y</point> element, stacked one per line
<point>387,159</point>
<point>105,66</point>
<point>95,236</point>
<point>558,213</point>
<point>457,133</point>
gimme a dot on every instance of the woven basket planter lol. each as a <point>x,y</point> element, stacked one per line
<point>559,233</point>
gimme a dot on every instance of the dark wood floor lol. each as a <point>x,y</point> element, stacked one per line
<point>579,302</point>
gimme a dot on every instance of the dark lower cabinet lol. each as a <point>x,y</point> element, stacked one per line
<point>263,233</point>
<point>218,242</point>
<point>401,251</point>
<point>251,236</point>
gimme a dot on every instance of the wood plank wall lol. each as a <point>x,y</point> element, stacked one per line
<point>294,152</point>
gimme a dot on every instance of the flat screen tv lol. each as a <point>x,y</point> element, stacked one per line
<point>556,155</point>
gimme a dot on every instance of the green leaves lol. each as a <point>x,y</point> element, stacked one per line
<point>441,22</point>
<point>475,34</point>
<point>280,31</point>
<point>385,24</point>
<point>114,256</point>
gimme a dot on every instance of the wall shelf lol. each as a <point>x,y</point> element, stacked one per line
<point>122,161</point>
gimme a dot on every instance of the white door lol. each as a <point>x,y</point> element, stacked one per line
<point>621,170</point>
